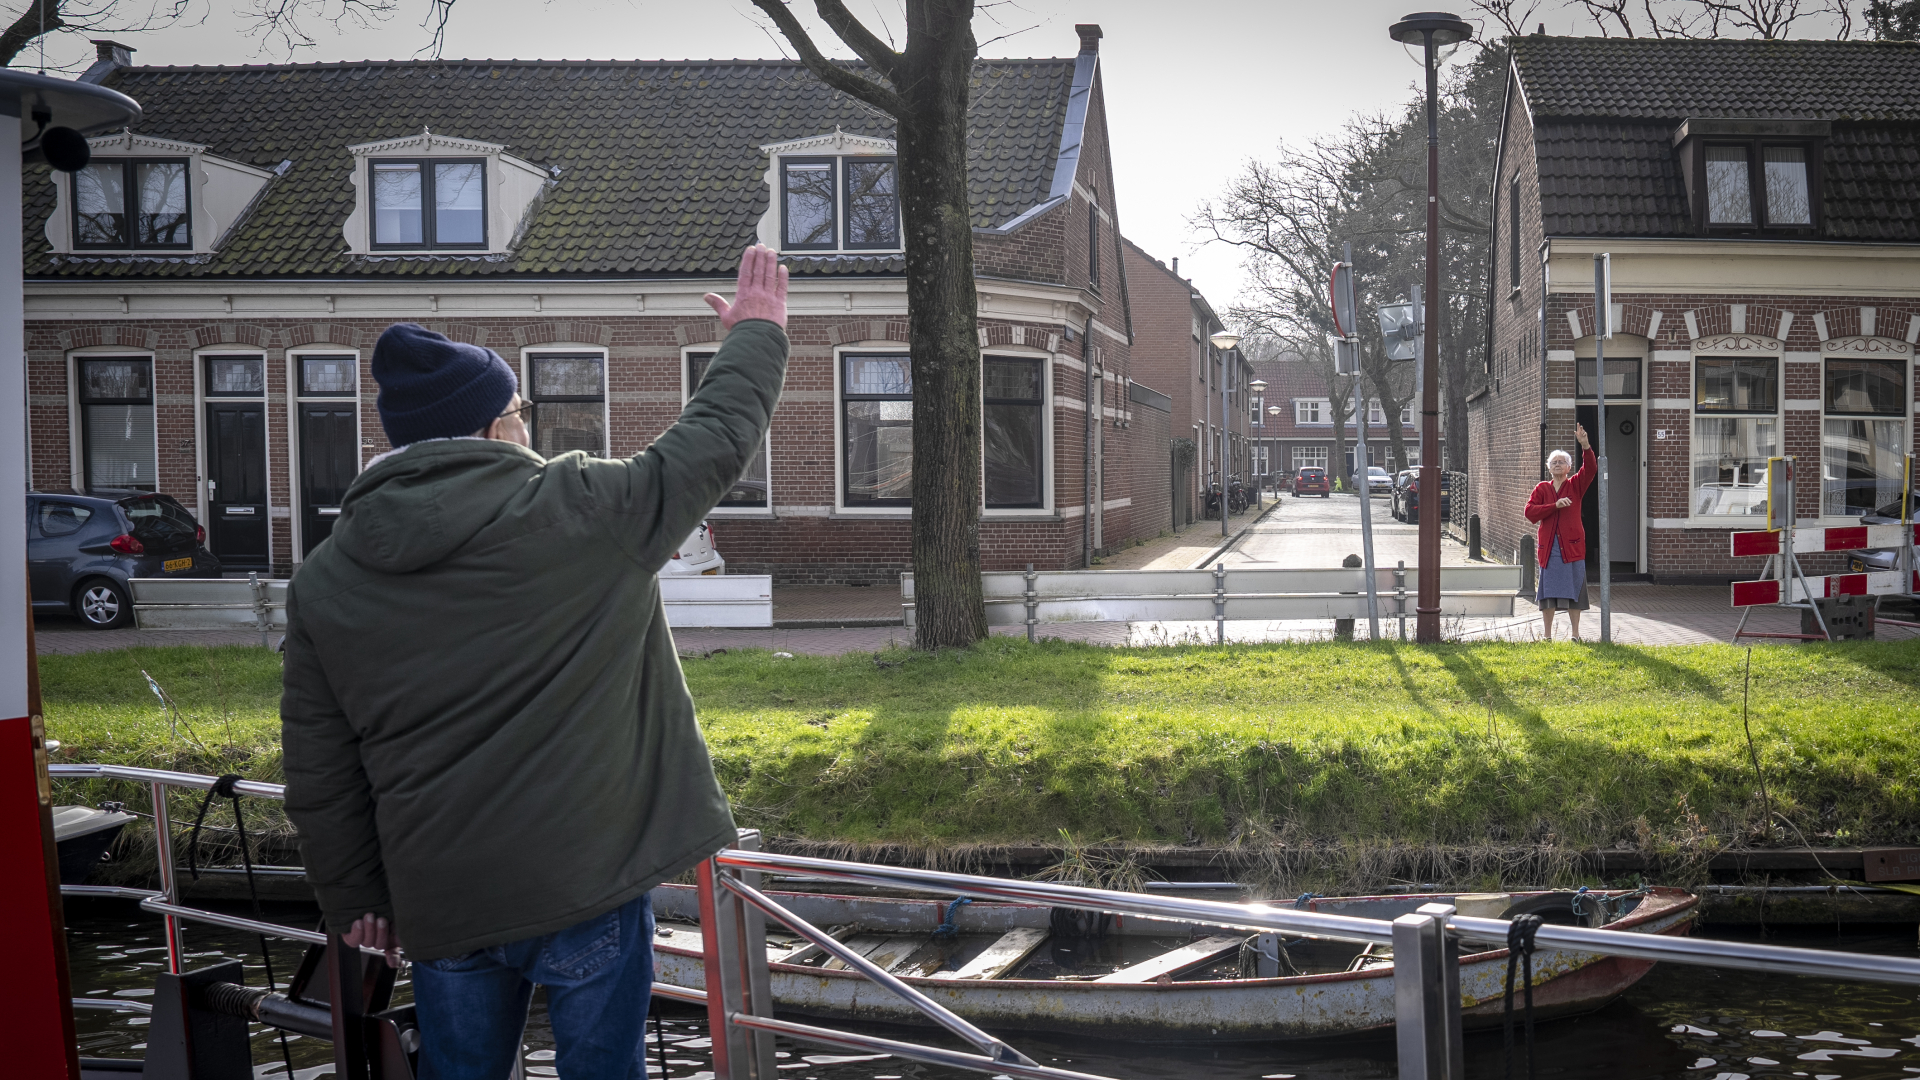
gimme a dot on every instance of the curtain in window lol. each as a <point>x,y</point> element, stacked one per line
<point>873,204</point>
<point>1014,450</point>
<point>878,427</point>
<point>119,445</point>
<point>162,187</point>
<point>1729,187</point>
<point>459,203</point>
<point>397,217</point>
<point>1730,464</point>
<point>1862,463</point>
<point>100,204</point>
<point>809,204</point>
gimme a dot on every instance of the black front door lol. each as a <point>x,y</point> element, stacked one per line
<point>329,458</point>
<point>237,483</point>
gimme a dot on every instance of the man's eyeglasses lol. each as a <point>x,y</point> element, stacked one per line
<point>519,413</point>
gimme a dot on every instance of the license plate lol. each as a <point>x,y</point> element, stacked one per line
<point>177,564</point>
<point>704,573</point>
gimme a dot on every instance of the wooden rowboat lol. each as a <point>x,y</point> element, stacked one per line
<point>1154,979</point>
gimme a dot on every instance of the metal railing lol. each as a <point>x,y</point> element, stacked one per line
<point>1454,491</point>
<point>739,998</point>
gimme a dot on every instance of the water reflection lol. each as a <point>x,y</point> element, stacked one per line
<point>1679,1023</point>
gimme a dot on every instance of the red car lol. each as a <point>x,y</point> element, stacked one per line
<point>1312,481</point>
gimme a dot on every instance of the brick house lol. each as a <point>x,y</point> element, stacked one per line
<point>202,301</point>
<point>1302,434</point>
<point>1758,199</point>
<point>1173,353</point>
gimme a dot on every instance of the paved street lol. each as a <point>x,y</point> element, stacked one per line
<point>1314,533</point>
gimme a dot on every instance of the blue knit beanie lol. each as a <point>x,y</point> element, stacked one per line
<point>435,388</point>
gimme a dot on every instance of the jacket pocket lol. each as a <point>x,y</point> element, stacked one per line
<point>584,948</point>
<point>450,964</point>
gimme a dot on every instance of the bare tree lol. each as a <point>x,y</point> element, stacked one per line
<point>280,25</point>
<point>1767,19</point>
<point>925,89</point>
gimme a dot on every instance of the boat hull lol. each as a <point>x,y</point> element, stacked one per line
<point>1298,1007</point>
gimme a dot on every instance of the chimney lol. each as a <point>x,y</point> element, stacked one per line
<point>110,56</point>
<point>1090,36</point>
<point>1176,266</point>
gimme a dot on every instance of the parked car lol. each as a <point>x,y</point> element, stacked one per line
<point>81,549</point>
<point>1312,481</point>
<point>1379,480</point>
<point>697,554</point>
<point>1406,495</point>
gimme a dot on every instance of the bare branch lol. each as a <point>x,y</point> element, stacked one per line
<point>874,94</point>
<point>864,44</point>
<point>39,18</point>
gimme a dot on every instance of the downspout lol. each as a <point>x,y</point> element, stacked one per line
<point>1086,447</point>
<point>1546,254</point>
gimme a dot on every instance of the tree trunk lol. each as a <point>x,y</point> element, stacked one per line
<point>942,314</point>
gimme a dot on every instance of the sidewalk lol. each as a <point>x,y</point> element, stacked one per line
<point>1183,549</point>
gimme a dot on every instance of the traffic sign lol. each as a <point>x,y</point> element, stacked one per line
<point>1346,358</point>
<point>1344,323</point>
<point>1400,326</point>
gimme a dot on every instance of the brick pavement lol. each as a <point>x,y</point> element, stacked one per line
<point>1181,550</point>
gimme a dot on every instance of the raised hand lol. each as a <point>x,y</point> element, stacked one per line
<point>373,932</point>
<point>1580,433</point>
<point>760,293</point>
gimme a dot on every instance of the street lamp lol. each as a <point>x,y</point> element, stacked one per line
<point>1259,387</point>
<point>1225,340</point>
<point>1431,30</point>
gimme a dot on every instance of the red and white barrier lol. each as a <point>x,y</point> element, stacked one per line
<point>1799,590</point>
<point>1839,538</point>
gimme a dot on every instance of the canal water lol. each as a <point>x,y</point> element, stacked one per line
<point>1679,1023</point>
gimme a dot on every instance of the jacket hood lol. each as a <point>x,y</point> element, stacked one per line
<point>420,504</point>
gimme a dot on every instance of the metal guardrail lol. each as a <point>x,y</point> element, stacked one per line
<point>1014,598</point>
<point>739,1000</point>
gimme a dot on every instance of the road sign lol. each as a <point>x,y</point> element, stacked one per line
<point>1603,295</point>
<point>1344,323</point>
<point>1346,357</point>
<point>1779,493</point>
<point>1400,326</point>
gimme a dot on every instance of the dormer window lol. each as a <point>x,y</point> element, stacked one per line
<point>833,193</point>
<point>840,203</point>
<point>423,205</point>
<point>1752,176</point>
<point>127,204</point>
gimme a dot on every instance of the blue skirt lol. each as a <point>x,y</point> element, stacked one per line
<point>1562,584</point>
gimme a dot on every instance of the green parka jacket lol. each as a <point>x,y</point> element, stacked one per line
<point>487,733</point>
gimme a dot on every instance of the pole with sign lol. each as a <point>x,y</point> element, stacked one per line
<point>1602,330</point>
<point>1346,353</point>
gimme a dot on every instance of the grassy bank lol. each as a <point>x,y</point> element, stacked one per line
<point>1556,746</point>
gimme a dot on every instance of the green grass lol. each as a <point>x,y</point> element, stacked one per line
<point>1562,745</point>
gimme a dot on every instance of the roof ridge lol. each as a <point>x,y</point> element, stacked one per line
<point>343,64</point>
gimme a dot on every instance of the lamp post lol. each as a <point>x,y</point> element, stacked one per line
<point>1431,30</point>
<point>1225,341</point>
<point>1259,387</point>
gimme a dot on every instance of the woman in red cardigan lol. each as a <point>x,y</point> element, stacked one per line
<point>1562,545</point>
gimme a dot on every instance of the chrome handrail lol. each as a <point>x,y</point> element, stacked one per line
<point>77,771</point>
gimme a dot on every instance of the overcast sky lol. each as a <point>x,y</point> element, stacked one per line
<point>1194,87</point>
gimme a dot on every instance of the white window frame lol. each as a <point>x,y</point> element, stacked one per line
<point>841,147</point>
<point>1309,457</point>
<point>296,493</point>
<point>840,507</point>
<point>1713,352</point>
<point>1046,361</point>
<point>76,436</point>
<point>1313,412</point>
<point>528,352</point>
<point>1863,348</point>
<point>766,446</point>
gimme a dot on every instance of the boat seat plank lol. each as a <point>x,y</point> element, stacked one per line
<point>1002,956</point>
<point>867,945</point>
<point>1185,958</point>
<point>808,950</point>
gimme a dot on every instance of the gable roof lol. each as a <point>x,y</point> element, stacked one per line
<point>658,164</point>
<point>1604,112</point>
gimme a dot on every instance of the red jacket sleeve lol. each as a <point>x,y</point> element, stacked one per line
<point>1589,472</point>
<point>1540,502</point>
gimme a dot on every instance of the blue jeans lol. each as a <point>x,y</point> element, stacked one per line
<point>598,973</point>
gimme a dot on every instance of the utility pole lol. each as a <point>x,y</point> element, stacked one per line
<point>1602,330</point>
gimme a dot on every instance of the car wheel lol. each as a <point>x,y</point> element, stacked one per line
<point>103,604</point>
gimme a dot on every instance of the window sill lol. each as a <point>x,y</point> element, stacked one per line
<point>758,513</point>
<point>1020,514</point>
<point>870,513</point>
<point>1513,293</point>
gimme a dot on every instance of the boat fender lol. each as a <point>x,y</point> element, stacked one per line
<point>947,931</point>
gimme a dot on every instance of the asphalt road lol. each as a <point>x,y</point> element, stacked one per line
<point>1312,533</point>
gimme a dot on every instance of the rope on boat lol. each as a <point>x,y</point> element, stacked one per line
<point>1300,902</point>
<point>1520,949</point>
<point>947,931</point>
<point>223,788</point>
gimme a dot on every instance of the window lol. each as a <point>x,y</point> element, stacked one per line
<point>1013,395</point>
<point>429,204</point>
<point>877,463</point>
<point>1258,402</point>
<point>1863,437</point>
<point>1730,450</point>
<point>1309,457</point>
<point>125,203</point>
<point>1759,185</point>
<point>569,403</point>
<point>1260,458</point>
<point>236,376</point>
<point>858,212</point>
<point>1513,232</point>
<point>116,422</point>
<point>1093,242</point>
<point>1623,377</point>
<point>1309,411</point>
<point>328,376</point>
<point>750,491</point>
<point>873,203</point>
<point>62,519</point>
<point>1406,415</point>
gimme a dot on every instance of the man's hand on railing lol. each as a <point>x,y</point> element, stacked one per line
<point>760,293</point>
<point>370,931</point>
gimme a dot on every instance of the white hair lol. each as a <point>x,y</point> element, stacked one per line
<point>1559,455</point>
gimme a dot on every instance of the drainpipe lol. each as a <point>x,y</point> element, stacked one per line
<point>1546,252</point>
<point>1086,447</point>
